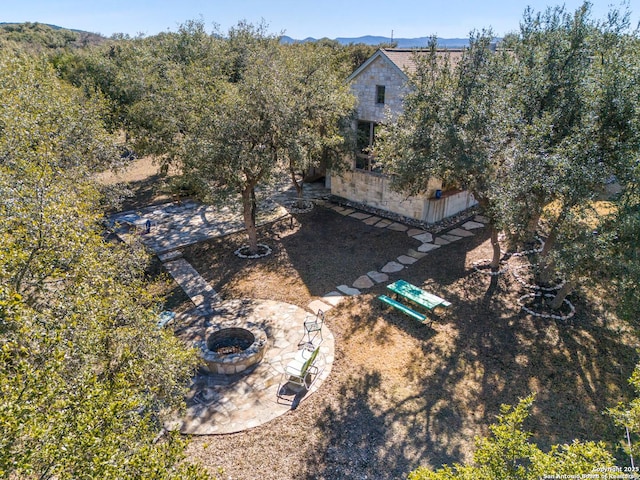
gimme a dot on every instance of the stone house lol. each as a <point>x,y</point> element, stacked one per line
<point>380,85</point>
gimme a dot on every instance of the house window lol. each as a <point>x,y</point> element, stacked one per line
<point>366,132</point>
<point>365,139</point>
<point>380,94</point>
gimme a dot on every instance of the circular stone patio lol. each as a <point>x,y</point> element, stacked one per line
<point>219,404</point>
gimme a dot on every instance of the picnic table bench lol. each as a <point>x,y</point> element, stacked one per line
<point>403,308</point>
<point>415,294</point>
<point>405,290</point>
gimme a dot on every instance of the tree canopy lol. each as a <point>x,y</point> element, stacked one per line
<point>86,380</point>
<point>231,113</point>
<point>39,37</point>
<point>533,130</point>
<point>507,453</point>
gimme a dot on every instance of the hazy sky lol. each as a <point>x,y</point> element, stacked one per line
<point>297,18</point>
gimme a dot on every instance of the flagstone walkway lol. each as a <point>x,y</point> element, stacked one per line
<point>178,224</point>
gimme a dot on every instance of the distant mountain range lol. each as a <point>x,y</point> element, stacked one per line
<point>421,42</point>
<point>400,42</point>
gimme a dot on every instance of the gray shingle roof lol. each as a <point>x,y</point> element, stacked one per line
<point>405,59</point>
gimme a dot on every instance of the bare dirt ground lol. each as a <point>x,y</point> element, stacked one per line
<point>402,394</point>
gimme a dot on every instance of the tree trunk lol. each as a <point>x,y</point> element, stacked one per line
<point>495,244</point>
<point>549,242</point>
<point>556,302</point>
<point>532,227</point>
<point>547,269</point>
<point>299,186</point>
<point>249,214</point>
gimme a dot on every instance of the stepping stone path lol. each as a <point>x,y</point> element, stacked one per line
<point>348,290</point>
<point>203,295</point>
<point>472,225</point>
<point>450,238</point>
<point>424,237</point>
<point>378,277</point>
<point>398,227</point>
<point>407,260</point>
<point>428,243</point>
<point>460,232</point>
<point>333,298</point>
<point>441,241</point>
<point>383,223</point>
<point>392,267</point>
<point>363,282</point>
<point>417,255</point>
<point>427,247</point>
<point>372,220</point>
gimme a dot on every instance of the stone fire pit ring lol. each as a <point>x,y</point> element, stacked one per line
<point>247,344</point>
<point>223,404</point>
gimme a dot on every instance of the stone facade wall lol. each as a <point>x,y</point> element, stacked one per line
<point>374,190</point>
<point>379,72</point>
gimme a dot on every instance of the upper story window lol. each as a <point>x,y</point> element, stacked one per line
<point>380,94</point>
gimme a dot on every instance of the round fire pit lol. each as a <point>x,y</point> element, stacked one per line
<point>230,350</point>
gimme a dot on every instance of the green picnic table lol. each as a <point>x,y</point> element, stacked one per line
<point>418,296</point>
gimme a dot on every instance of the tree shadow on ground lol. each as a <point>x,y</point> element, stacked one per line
<point>348,450</point>
<point>402,394</point>
<point>144,192</point>
<point>330,249</point>
<point>313,253</point>
<point>484,353</point>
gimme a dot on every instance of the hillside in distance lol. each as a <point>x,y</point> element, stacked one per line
<point>44,36</point>
<point>420,42</point>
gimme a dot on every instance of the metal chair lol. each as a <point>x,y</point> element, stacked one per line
<point>300,373</point>
<point>313,325</point>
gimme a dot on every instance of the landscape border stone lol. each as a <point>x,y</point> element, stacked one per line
<point>546,315</point>
<point>266,248</point>
<point>485,262</point>
<point>514,272</point>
